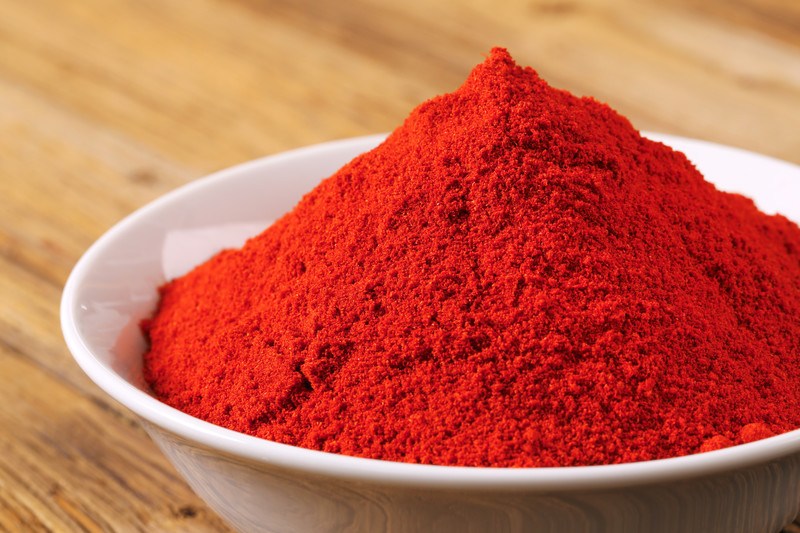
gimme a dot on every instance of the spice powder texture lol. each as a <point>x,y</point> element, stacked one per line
<point>514,278</point>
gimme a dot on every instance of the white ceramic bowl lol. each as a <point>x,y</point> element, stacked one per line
<point>264,486</point>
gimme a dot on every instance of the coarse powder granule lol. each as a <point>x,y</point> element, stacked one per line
<point>514,278</point>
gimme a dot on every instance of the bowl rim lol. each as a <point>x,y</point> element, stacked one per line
<point>374,471</point>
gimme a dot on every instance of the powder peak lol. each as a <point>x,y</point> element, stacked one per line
<point>515,277</point>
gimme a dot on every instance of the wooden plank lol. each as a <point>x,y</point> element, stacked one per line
<point>72,463</point>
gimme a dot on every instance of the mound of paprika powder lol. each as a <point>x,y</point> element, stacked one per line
<point>514,278</point>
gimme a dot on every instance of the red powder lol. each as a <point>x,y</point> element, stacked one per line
<point>717,442</point>
<point>755,431</point>
<point>515,277</point>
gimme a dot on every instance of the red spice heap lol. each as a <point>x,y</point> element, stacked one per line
<point>514,278</point>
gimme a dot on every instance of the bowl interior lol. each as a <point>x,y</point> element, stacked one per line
<point>114,286</point>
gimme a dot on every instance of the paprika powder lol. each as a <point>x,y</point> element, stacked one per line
<point>514,278</point>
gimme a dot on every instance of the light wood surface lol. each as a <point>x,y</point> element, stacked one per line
<point>105,105</point>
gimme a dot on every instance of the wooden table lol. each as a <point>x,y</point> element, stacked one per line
<point>105,105</point>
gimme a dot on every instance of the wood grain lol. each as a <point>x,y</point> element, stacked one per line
<point>105,105</point>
